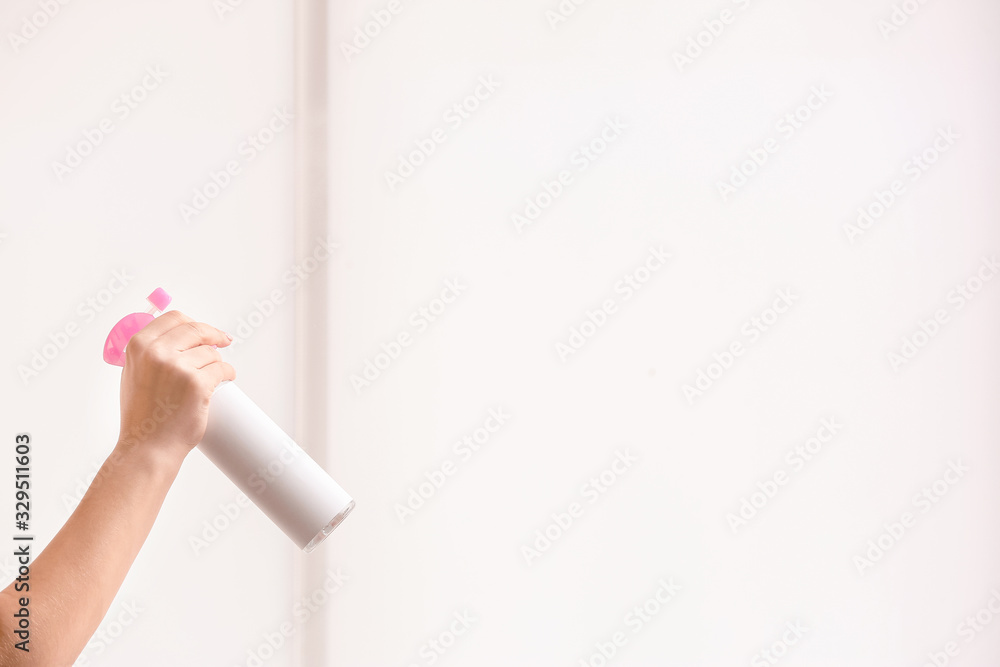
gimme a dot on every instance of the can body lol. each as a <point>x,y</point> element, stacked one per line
<point>275,473</point>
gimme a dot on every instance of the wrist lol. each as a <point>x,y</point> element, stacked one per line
<point>152,458</point>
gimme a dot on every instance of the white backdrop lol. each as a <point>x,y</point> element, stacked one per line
<point>828,439</point>
<point>610,518</point>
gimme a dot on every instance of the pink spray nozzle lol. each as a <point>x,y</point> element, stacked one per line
<point>160,299</point>
<point>128,326</point>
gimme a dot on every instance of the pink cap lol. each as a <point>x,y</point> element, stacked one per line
<point>130,325</point>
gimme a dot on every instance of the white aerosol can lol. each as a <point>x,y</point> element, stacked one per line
<point>260,458</point>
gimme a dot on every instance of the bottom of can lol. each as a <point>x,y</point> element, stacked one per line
<point>328,528</point>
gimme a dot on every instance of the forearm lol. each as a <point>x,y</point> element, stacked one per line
<point>76,577</point>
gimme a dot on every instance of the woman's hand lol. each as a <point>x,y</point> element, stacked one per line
<point>171,370</point>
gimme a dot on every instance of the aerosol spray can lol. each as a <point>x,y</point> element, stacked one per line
<point>261,459</point>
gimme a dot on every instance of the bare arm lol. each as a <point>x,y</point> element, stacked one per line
<point>171,370</point>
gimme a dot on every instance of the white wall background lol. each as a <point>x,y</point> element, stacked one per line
<point>119,211</point>
<point>495,346</point>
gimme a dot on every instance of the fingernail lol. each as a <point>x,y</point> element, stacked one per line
<point>229,336</point>
<point>215,347</point>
